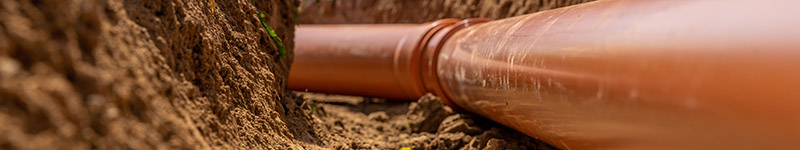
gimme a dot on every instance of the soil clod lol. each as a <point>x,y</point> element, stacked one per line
<point>426,124</point>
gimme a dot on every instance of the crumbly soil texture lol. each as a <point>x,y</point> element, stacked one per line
<point>143,74</point>
<point>206,74</point>
<point>369,123</point>
<point>419,11</point>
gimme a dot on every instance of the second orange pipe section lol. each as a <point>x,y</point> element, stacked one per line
<point>613,74</point>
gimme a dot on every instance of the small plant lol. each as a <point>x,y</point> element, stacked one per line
<point>277,40</point>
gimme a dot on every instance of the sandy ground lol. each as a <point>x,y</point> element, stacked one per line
<point>370,123</point>
<point>181,74</point>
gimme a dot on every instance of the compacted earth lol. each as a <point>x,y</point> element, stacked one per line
<point>370,123</point>
<point>207,74</point>
<point>143,74</point>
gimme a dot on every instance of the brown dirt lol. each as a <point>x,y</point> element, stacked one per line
<point>150,74</point>
<point>182,74</point>
<point>368,123</point>
<point>419,11</point>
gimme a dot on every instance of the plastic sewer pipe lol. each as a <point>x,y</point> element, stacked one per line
<point>612,74</point>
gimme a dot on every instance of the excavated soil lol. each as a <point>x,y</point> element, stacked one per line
<point>182,74</point>
<point>369,123</point>
<point>419,11</point>
<point>150,74</point>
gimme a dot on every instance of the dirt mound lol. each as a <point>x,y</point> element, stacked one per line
<point>363,123</point>
<point>171,74</point>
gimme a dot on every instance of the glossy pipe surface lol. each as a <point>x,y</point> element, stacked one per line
<point>612,74</point>
<point>368,60</point>
<point>625,74</point>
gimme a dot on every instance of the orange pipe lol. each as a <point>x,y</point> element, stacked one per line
<point>369,60</point>
<point>616,74</point>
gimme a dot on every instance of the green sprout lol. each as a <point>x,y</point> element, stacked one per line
<point>277,40</point>
<point>313,108</point>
